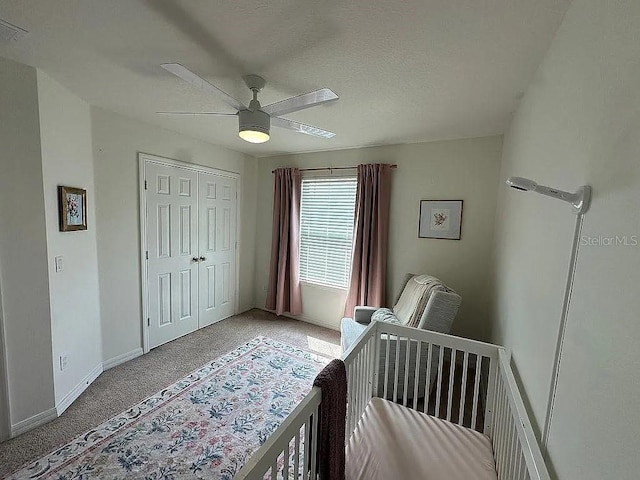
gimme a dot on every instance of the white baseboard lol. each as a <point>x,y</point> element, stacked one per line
<point>78,389</point>
<point>302,318</point>
<point>120,359</point>
<point>33,422</point>
<point>320,323</point>
<point>53,413</point>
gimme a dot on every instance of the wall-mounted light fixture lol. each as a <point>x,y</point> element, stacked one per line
<point>579,200</point>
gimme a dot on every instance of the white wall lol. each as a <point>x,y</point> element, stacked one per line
<point>459,169</point>
<point>578,123</point>
<point>23,248</point>
<point>67,159</point>
<point>116,143</point>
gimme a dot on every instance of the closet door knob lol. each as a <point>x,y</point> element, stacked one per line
<point>202,259</point>
<point>195,259</point>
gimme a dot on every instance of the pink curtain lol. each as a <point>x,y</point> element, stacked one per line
<point>283,293</point>
<point>369,257</point>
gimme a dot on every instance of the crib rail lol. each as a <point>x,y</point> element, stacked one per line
<point>449,377</point>
<point>290,452</point>
<point>517,454</point>
<point>360,364</point>
<point>459,380</point>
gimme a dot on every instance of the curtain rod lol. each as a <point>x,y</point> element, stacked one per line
<point>330,168</point>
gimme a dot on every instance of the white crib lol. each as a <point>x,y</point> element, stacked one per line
<point>473,387</point>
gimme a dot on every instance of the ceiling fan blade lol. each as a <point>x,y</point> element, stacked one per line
<point>306,100</point>
<point>301,127</point>
<point>188,76</point>
<point>194,114</point>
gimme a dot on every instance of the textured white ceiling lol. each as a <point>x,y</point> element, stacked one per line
<point>405,70</point>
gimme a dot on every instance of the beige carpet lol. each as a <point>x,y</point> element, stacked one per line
<point>121,387</point>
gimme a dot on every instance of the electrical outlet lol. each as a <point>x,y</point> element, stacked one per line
<point>64,361</point>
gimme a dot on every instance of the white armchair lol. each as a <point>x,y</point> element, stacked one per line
<point>438,312</point>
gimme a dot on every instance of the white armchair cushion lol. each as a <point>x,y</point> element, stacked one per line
<point>440,311</point>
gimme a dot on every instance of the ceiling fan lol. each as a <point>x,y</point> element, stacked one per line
<point>255,120</point>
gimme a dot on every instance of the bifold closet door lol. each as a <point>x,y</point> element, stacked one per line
<point>172,244</point>
<point>218,206</point>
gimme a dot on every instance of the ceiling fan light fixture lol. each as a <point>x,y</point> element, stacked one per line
<point>254,126</point>
<point>255,120</point>
<point>253,136</point>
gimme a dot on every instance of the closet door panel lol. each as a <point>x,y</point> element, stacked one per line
<point>172,244</point>
<point>218,217</point>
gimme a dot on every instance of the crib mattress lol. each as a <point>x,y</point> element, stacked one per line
<point>394,442</point>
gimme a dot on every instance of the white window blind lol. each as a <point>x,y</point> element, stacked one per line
<point>327,209</point>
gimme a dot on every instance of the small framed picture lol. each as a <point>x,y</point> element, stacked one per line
<point>440,219</point>
<point>72,208</point>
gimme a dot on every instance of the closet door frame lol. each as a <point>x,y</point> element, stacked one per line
<point>143,160</point>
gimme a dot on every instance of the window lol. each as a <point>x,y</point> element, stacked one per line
<point>326,230</point>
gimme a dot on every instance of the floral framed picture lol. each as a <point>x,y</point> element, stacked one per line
<point>440,219</point>
<point>72,208</point>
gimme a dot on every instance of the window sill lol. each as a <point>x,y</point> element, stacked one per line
<point>320,286</point>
